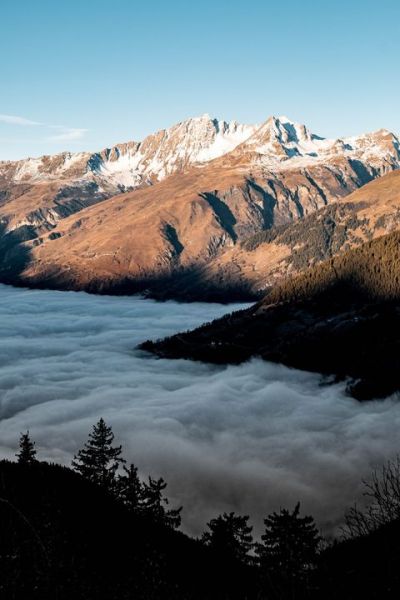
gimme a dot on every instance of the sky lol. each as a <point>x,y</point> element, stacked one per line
<point>85,75</point>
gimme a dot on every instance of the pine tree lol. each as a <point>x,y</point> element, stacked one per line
<point>290,543</point>
<point>99,460</point>
<point>230,535</point>
<point>27,451</point>
<point>130,489</point>
<point>154,502</point>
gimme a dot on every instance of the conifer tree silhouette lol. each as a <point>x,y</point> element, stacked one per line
<point>229,534</point>
<point>27,451</point>
<point>290,543</point>
<point>154,502</point>
<point>99,460</point>
<point>130,489</point>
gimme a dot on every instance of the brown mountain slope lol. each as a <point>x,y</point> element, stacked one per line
<point>135,240</point>
<point>60,234</point>
<point>259,262</point>
<point>36,193</point>
<point>341,318</point>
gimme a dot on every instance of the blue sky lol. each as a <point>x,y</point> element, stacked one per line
<point>85,75</point>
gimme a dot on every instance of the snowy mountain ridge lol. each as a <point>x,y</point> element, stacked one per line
<point>129,165</point>
<point>286,144</point>
<point>279,143</point>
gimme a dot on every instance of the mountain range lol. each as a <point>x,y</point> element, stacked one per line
<point>203,210</point>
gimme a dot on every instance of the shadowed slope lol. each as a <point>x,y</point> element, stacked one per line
<point>342,317</point>
<point>64,537</point>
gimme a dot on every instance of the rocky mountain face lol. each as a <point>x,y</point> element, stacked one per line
<point>131,164</point>
<point>130,217</point>
<point>64,183</point>
<point>260,262</point>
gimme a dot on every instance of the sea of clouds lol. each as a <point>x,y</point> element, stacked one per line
<point>249,438</point>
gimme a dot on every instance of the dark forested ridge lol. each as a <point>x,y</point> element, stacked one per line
<point>341,317</point>
<point>66,535</point>
<point>93,533</point>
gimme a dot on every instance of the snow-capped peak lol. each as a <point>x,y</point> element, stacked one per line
<point>278,143</point>
<point>195,140</point>
<point>282,130</point>
<point>281,140</point>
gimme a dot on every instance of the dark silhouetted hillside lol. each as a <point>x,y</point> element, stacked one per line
<point>341,317</point>
<point>63,537</point>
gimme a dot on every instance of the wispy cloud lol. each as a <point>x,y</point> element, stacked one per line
<point>61,132</point>
<point>16,120</point>
<point>67,134</point>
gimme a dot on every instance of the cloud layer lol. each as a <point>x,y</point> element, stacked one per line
<point>249,438</point>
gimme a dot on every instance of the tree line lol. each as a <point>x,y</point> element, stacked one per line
<point>101,462</point>
<point>288,550</point>
<point>289,544</point>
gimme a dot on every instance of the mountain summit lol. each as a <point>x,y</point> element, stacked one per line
<point>196,141</point>
<point>280,139</point>
<point>129,165</point>
<point>130,216</point>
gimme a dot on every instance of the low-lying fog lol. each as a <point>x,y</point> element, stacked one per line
<point>249,438</point>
